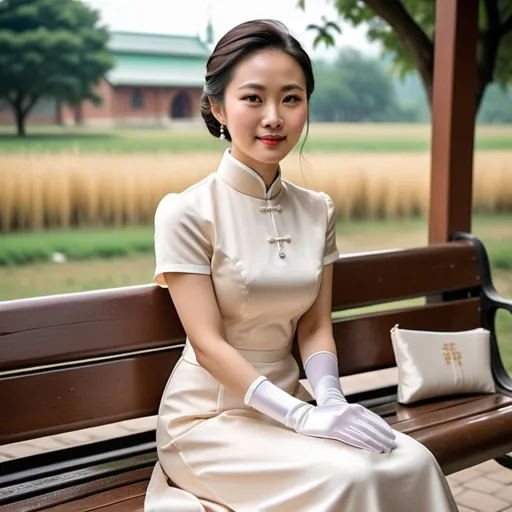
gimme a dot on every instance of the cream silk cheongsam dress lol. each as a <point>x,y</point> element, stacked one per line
<point>265,252</point>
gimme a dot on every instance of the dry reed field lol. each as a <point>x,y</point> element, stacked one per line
<point>70,189</point>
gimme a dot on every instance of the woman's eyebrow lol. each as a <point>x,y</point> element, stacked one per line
<point>261,87</point>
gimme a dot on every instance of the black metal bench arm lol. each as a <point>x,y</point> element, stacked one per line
<point>490,303</point>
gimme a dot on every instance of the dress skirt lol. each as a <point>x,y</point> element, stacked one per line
<point>224,456</point>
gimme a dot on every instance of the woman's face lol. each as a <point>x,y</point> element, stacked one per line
<point>265,109</point>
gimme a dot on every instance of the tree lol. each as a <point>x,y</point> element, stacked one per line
<point>352,89</point>
<point>405,29</point>
<point>50,48</point>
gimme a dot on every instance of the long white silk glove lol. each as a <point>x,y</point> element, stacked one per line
<point>322,373</point>
<point>349,423</point>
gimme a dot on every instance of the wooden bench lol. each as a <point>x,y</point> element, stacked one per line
<point>94,358</point>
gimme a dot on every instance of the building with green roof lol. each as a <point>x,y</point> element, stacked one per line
<point>157,79</point>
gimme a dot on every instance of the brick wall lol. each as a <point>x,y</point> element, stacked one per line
<point>156,103</point>
<point>117,107</point>
<point>44,112</point>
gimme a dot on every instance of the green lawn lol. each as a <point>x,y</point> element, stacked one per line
<point>24,248</point>
<point>377,138</point>
<point>78,244</point>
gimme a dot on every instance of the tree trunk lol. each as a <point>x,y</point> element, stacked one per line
<point>480,91</point>
<point>481,86</point>
<point>21,106</point>
<point>422,49</point>
<point>20,120</point>
<point>58,113</point>
<point>412,36</point>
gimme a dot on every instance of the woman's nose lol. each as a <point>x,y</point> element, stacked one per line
<point>272,118</point>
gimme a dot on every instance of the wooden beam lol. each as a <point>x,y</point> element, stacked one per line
<point>453,118</point>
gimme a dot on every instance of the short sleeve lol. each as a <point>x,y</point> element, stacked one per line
<point>331,253</point>
<point>180,241</point>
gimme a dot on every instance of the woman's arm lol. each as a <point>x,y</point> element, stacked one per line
<point>314,330</point>
<point>318,348</point>
<point>194,298</point>
<point>318,351</point>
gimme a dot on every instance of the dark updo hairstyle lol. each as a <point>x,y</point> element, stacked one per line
<point>240,42</point>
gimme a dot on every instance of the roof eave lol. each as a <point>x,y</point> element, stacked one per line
<point>128,51</point>
<point>143,83</point>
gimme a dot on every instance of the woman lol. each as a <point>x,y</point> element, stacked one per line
<point>247,258</point>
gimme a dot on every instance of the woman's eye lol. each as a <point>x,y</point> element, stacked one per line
<point>251,98</point>
<point>291,99</point>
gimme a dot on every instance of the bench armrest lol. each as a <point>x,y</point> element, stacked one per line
<point>490,303</point>
<point>501,303</point>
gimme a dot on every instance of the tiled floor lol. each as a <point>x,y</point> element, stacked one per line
<point>483,488</point>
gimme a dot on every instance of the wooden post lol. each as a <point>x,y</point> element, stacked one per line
<point>453,118</point>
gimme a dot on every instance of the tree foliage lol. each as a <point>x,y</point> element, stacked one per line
<point>324,32</point>
<point>406,28</point>
<point>355,88</point>
<point>50,48</point>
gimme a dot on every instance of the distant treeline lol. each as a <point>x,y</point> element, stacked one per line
<point>358,88</point>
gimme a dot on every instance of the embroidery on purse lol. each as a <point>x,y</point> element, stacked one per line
<point>453,357</point>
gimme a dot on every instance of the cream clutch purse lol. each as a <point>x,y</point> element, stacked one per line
<point>433,364</point>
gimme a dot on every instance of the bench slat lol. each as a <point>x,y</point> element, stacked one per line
<point>483,404</point>
<point>87,396</point>
<point>466,442</point>
<point>394,412</point>
<point>112,497</point>
<point>129,505</point>
<point>78,326</point>
<point>75,492</point>
<point>373,278</point>
<point>75,477</point>
<point>364,343</point>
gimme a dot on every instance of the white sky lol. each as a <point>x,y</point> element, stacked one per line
<point>190,17</point>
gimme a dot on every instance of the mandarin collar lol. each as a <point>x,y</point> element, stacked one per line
<point>245,180</point>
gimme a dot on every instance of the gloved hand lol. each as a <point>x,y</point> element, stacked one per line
<point>322,373</point>
<point>349,423</point>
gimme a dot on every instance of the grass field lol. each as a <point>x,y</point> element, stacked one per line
<point>195,138</point>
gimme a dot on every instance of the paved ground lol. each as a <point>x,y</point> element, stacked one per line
<point>483,488</point>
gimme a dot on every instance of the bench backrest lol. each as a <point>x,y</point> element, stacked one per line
<point>84,359</point>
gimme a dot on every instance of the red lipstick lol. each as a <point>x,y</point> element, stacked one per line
<point>271,140</point>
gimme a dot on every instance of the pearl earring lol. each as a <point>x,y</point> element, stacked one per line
<point>222,134</point>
